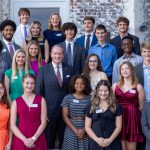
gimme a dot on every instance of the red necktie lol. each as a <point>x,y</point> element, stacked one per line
<point>59,76</point>
<point>11,50</point>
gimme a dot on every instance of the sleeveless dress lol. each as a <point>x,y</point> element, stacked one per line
<point>131,119</point>
<point>29,122</point>
<point>4,119</point>
<point>76,109</point>
<point>103,125</point>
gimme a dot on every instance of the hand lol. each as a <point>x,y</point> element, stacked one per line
<point>8,146</point>
<point>106,142</point>
<point>99,141</point>
<point>29,142</point>
<point>81,133</point>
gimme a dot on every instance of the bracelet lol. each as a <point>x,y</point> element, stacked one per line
<point>33,138</point>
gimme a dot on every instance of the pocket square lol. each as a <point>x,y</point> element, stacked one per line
<point>4,50</point>
<point>67,76</point>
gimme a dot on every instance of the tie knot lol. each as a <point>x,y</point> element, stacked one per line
<point>9,43</point>
<point>88,35</point>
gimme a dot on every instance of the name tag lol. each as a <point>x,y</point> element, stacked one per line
<point>132,91</point>
<point>41,43</point>
<point>99,111</point>
<point>34,105</point>
<point>58,34</point>
<point>14,77</point>
<point>75,101</point>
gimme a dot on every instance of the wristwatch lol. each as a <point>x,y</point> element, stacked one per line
<point>33,138</point>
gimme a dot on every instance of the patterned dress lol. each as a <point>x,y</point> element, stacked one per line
<point>77,109</point>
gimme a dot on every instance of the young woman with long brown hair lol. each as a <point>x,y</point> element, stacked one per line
<point>130,94</point>
<point>103,119</point>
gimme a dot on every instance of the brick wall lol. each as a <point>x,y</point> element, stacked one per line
<point>105,12</point>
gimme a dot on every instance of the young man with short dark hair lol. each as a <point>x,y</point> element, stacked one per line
<point>122,26</point>
<point>23,29</point>
<point>88,39</point>
<point>74,53</point>
<point>105,51</point>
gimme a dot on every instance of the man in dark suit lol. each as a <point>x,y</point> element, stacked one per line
<point>52,83</point>
<point>122,25</point>
<point>88,39</point>
<point>7,28</point>
<point>74,54</point>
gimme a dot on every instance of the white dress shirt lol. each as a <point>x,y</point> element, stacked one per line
<point>60,69</point>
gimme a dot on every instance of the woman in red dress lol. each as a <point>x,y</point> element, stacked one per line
<point>32,113</point>
<point>130,94</point>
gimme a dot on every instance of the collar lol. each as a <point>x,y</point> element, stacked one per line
<point>99,45</point>
<point>55,66</point>
<point>22,26</point>
<point>124,36</point>
<point>145,67</point>
<point>71,42</point>
<point>132,55</point>
<point>89,34</point>
<point>6,42</point>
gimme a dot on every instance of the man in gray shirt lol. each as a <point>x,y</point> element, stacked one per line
<point>129,55</point>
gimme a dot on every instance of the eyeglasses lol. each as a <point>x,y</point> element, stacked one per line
<point>92,61</point>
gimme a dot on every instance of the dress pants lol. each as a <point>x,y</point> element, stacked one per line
<point>55,127</point>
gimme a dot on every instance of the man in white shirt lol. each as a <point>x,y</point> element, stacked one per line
<point>74,53</point>
<point>88,39</point>
<point>23,29</point>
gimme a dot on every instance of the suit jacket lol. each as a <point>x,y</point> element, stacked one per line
<point>81,40</point>
<point>116,41</point>
<point>18,37</point>
<point>145,121</point>
<point>47,86</point>
<point>5,59</point>
<point>140,73</point>
<point>78,57</point>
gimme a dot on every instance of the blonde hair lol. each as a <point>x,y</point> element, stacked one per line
<point>14,64</point>
<point>39,56</point>
<point>50,26</point>
<point>40,36</point>
<point>145,45</point>
<point>96,100</point>
<point>134,78</point>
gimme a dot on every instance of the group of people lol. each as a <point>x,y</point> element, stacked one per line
<point>86,92</point>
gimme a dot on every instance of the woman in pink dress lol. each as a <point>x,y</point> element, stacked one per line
<point>32,113</point>
<point>130,94</point>
<point>34,56</point>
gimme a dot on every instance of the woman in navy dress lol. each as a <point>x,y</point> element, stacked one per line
<point>54,34</point>
<point>103,120</point>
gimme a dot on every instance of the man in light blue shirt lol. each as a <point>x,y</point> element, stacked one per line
<point>143,69</point>
<point>105,51</point>
<point>129,55</point>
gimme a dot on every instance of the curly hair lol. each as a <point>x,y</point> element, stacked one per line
<point>71,26</point>
<point>87,89</point>
<point>7,23</point>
